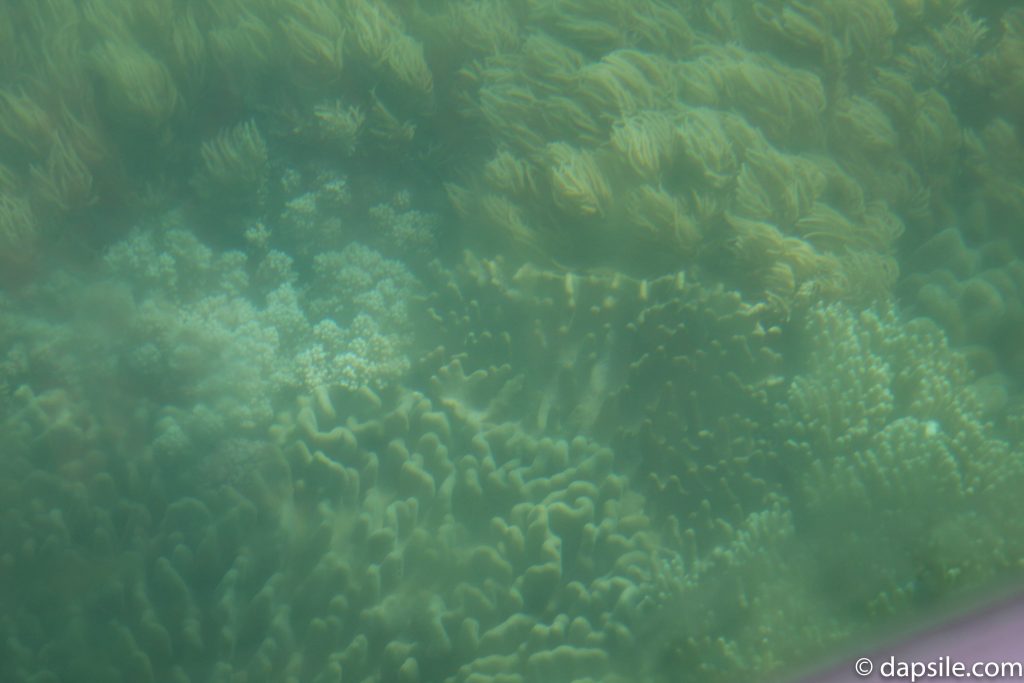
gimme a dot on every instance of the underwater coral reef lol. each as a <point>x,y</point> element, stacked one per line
<point>503,341</point>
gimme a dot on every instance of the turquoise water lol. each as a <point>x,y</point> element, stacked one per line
<point>494,341</point>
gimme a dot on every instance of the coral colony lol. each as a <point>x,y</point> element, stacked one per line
<point>503,341</point>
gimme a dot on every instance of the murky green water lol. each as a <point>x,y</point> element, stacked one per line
<point>503,341</point>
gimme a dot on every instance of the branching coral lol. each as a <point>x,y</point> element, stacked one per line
<point>887,417</point>
<point>588,427</point>
<point>315,37</point>
<point>386,127</point>
<point>578,185</point>
<point>483,28</point>
<point>18,229</point>
<point>867,29</point>
<point>511,175</point>
<point>241,45</point>
<point>625,82</point>
<point>779,188</point>
<point>551,62</point>
<point>65,181</point>
<point>25,126</point>
<point>359,356</point>
<point>381,39</point>
<point>234,167</point>
<point>339,126</point>
<point>139,91</point>
<point>724,134</point>
<point>663,220</point>
<point>704,141</point>
<point>784,102</point>
<point>645,141</point>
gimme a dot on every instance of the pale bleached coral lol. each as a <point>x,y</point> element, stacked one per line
<point>885,416</point>
<point>358,356</point>
<point>402,231</point>
<point>194,324</point>
<point>358,279</point>
<point>197,319</point>
<point>316,216</point>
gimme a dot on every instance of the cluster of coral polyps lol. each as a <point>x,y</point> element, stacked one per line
<point>250,445</point>
<point>783,145</point>
<point>617,478</point>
